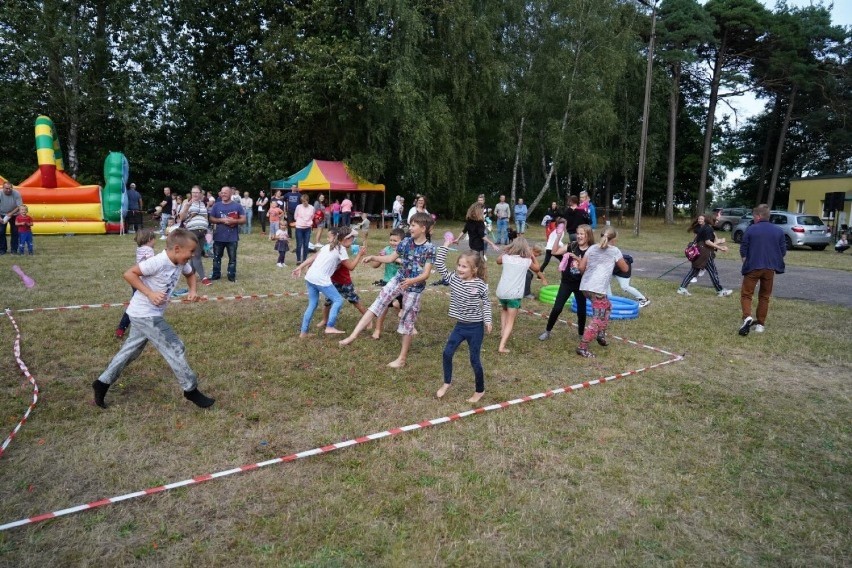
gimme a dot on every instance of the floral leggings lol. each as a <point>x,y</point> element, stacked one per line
<point>601,308</point>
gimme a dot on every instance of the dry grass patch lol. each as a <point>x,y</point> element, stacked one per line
<point>738,455</point>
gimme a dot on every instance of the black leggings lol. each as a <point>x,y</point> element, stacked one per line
<point>262,216</point>
<point>547,256</point>
<point>711,271</point>
<point>566,288</point>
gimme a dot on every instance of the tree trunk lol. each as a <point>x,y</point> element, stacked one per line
<point>711,118</point>
<point>779,151</point>
<point>608,196</point>
<point>546,183</point>
<point>764,164</point>
<point>674,100</point>
<point>517,160</point>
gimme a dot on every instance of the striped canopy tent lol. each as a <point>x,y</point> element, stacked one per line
<point>322,175</point>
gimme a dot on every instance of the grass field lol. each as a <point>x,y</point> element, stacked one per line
<point>738,455</point>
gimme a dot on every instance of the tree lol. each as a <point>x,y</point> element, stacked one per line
<point>738,25</point>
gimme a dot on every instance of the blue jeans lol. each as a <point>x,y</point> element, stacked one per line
<point>303,237</point>
<point>473,333</point>
<point>25,239</point>
<point>522,225</point>
<point>503,231</point>
<point>246,228</point>
<point>219,248</point>
<point>329,292</point>
<point>346,219</point>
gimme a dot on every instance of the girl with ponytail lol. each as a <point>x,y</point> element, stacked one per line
<point>596,266</point>
<point>318,279</point>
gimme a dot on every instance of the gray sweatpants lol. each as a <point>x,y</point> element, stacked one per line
<point>160,333</point>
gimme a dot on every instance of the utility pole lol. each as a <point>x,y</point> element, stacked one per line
<point>646,111</point>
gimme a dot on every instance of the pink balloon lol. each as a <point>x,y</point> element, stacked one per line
<point>28,282</point>
<point>448,236</point>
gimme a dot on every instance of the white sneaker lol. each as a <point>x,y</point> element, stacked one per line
<point>280,265</point>
<point>759,328</point>
<point>746,326</point>
<point>643,303</point>
<point>701,273</point>
<point>694,280</point>
<point>725,292</point>
<point>683,292</point>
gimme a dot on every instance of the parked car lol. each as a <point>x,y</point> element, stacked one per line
<point>727,217</point>
<point>799,229</point>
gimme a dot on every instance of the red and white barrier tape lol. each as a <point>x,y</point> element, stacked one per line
<point>300,455</point>
<point>326,449</point>
<point>26,372</point>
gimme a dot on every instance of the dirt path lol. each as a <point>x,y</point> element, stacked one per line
<point>797,283</point>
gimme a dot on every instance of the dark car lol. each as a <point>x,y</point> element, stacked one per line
<point>727,217</point>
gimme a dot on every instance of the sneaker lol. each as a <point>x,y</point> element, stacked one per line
<point>206,281</point>
<point>100,390</point>
<point>723,293</point>
<point>529,297</point>
<point>701,273</point>
<point>759,328</point>
<point>195,396</point>
<point>643,303</point>
<point>164,237</point>
<point>694,280</point>
<point>683,291</point>
<point>119,333</point>
<point>601,339</point>
<point>232,278</point>
<point>544,336</point>
<point>585,353</point>
<point>283,265</point>
<point>746,326</point>
<point>279,265</point>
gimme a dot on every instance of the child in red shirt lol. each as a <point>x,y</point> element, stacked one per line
<point>24,223</point>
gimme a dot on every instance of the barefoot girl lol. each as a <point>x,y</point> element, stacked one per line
<point>470,305</point>
<point>516,259</point>
<point>596,266</point>
<point>417,255</point>
<point>318,279</point>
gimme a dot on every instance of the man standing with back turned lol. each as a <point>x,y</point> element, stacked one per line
<point>762,250</point>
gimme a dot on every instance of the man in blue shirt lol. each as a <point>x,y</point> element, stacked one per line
<point>762,249</point>
<point>133,220</point>
<point>521,216</point>
<point>291,199</point>
<point>227,215</point>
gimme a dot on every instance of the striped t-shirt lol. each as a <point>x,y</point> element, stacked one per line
<point>469,301</point>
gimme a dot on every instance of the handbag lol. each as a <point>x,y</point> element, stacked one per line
<point>692,251</point>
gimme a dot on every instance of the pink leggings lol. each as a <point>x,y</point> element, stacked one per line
<point>601,308</point>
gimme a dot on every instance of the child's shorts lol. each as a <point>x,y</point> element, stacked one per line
<point>410,305</point>
<point>511,304</point>
<point>348,293</point>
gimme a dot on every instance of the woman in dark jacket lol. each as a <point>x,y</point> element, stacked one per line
<point>705,238</point>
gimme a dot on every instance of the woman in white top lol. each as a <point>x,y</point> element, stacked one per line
<point>397,211</point>
<point>419,207</point>
<point>248,203</point>
<point>193,217</point>
<point>262,208</point>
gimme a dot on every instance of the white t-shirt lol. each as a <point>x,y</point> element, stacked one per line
<point>599,265</point>
<point>160,275</point>
<point>319,274</point>
<point>551,241</point>
<point>412,211</point>
<point>514,277</point>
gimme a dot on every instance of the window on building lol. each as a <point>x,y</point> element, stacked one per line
<point>800,205</point>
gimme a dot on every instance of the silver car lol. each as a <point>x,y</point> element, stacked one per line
<point>799,229</point>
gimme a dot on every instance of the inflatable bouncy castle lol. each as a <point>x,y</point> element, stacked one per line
<point>60,205</point>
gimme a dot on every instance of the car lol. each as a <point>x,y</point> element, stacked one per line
<point>727,217</point>
<point>799,229</point>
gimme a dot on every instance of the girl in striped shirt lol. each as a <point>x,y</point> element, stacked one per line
<point>469,304</point>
